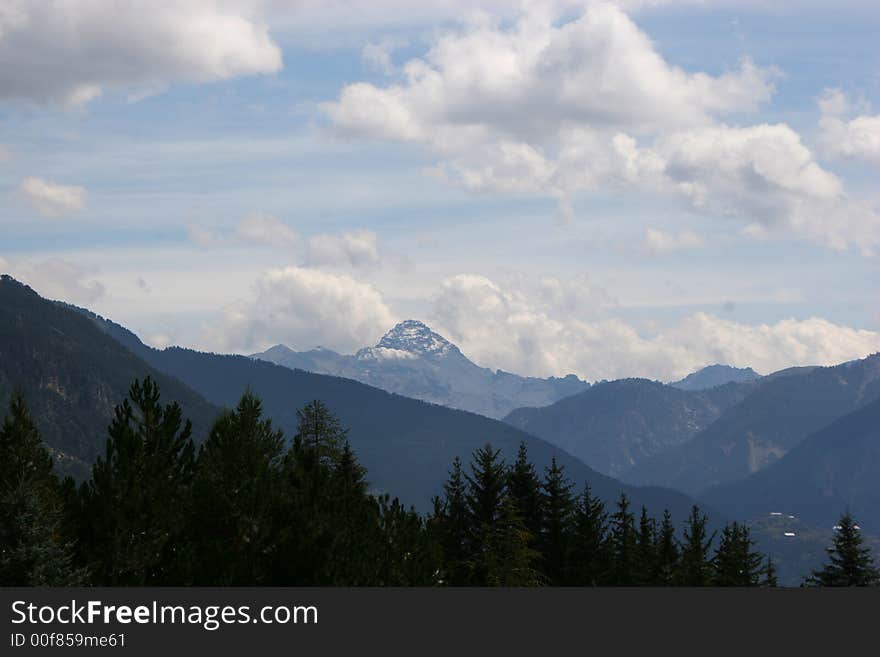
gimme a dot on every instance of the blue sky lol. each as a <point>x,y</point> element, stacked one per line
<point>556,186</point>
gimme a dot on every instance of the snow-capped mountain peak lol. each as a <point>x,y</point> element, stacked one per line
<point>414,337</point>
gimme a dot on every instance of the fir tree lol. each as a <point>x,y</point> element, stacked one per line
<point>506,558</point>
<point>235,497</point>
<point>486,498</point>
<point>525,490</point>
<point>33,550</point>
<point>850,562</point>
<point>667,553</point>
<point>734,563</point>
<point>770,574</point>
<point>325,511</point>
<point>22,454</point>
<point>452,527</point>
<point>556,530</point>
<point>589,562</point>
<point>135,507</point>
<point>406,556</point>
<point>695,567</point>
<point>646,550</point>
<point>623,544</point>
<point>487,486</point>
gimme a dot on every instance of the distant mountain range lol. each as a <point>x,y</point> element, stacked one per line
<point>779,412</point>
<point>616,425</point>
<point>74,367</point>
<point>802,442</point>
<point>714,376</point>
<point>413,360</point>
<point>835,468</point>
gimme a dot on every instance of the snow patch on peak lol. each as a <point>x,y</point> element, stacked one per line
<point>415,337</point>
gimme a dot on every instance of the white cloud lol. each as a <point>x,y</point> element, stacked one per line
<point>254,229</point>
<point>68,51</point>
<point>51,199</point>
<point>57,278</point>
<point>356,249</point>
<point>304,308</point>
<point>599,70</point>
<point>843,137</point>
<point>589,106</point>
<point>519,330</point>
<point>658,242</point>
<point>378,54</point>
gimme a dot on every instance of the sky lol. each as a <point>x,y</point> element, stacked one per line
<point>630,189</point>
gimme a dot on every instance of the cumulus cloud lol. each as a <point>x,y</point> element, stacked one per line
<point>51,199</point>
<point>559,109</point>
<point>843,135</point>
<point>599,69</point>
<point>356,249</point>
<point>68,51</point>
<point>303,308</point>
<point>254,229</point>
<point>520,331</point>
<point>57,278</point>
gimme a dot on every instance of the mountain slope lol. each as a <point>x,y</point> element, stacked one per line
<point>407,445</point>
<point>715,375</point>
<point>72,376</point>
<point>782,409</point>
<point>413,360</point>
<point>830,471</point>
<point>617,424</point>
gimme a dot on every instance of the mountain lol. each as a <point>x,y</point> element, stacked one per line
<point>407,445</point>
<point>715,375</point>
<point>781,410</point>
<point>413,360</point>
<point>832,470</point>
<point>617,424</point>
<point>73,376</point>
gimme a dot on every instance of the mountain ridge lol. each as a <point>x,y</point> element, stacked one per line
<point>716,375</point>
<point>783,408</point>
<point>413,360</point>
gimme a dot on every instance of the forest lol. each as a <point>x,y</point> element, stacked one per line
<point>249,506</point>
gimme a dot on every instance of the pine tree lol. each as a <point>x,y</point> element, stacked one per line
<point>22,454</point>
<point>325,512</point>
<point>451,525</point>
<point>506,558</point>
<point>320,438</point>
<point>487,486</point>
<point>406,556</point>
<point>695,568</point>
<point>33,549</point>
<point>235,496</point>
<point>589,562</point>
<point>667,553</point>
<point>623,543</point>
<point>770,574</point>
<point>486,498</point>
<point>850,561</point>
<point>556,532</point>
<point>525,490</point>
<point>646,550</point>
<point>734,563</point>
<point>135,506</point>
